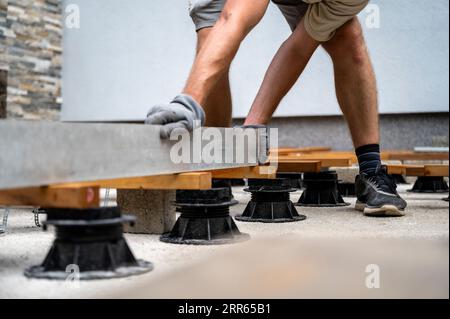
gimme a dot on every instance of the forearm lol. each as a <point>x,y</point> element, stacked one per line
<point>214,59</point>
<point>285,69</point>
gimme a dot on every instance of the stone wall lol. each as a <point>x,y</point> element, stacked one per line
<point>3,85</point>
<point>33,40</point>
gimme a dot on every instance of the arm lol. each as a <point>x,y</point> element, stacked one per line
<point>238,18</point>
<point>285,69</point>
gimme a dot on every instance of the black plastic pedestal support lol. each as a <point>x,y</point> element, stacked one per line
<point>295,179</point>
<point>347,189</point>
<point>430,184</point>
<point>321,190</point>
<point>270,202</point>
<point>399,179</point>
<point>90,241</point>
<point>205,218</point>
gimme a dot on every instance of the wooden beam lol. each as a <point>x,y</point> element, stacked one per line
<point>436,170</point>
<point>87,197</point>
<point>256,172</point>
<point>416,156</point>
<point>385,155</point>
<point>396,169</point>
<point>420,170</point>
<point>299,167</point>
<point>290,150</point>
<point>326,161</point>
<point>414,170</point>
<point>198,180</point>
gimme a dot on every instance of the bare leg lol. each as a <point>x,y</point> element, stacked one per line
<point>218,50</point>
<point>218,105</point>
<point>355,83</point>
<point>285,69</point>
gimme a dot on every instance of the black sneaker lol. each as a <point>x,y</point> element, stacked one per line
<point>377,195</point>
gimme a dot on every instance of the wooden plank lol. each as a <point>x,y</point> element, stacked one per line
<point>36,153</point>
<point>299,167</point>
<point>415,170</point>
<point>331,155</point>
<point>198,180</point>
<point>290,150</point>
<point>352,155</point>
<point>396,169</point>
<point>87,197</point>
<point>416,156</point>
<point>385,155</point>
<point>256,172</point>
<point>420,170</point>
<point>331,161</point>
<point>436,170</point>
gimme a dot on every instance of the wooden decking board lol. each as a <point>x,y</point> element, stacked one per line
<point>198,180</point>
<point>87,197</point>
<point>420,170</point>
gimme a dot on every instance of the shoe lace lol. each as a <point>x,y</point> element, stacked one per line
<point>383,181</point>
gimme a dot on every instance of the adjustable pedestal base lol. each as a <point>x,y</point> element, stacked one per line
<point>347,189</point>
<point>321,190</point>
<point>399,179</point>
<point>89,244</point>
<point>430,184</point>
<point>270,202</point>
<point>205,219</point>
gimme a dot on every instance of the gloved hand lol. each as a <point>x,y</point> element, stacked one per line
<point>263,131</point>
<point>179,114</point>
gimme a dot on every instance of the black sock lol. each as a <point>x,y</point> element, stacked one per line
<point>368,158</point>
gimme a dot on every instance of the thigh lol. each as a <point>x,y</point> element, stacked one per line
<point>205,13</point>
<point>202,35</point>
<point>324,17</point>
<point>292,10</point>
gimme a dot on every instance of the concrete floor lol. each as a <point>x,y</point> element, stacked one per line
<point>427,221</point>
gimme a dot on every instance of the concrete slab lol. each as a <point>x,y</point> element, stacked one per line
<point>36,153</point>
<point>427,221</point>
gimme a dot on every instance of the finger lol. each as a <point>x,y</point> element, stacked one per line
<point>155,109</point>
<point>158,118</point>
<point>177,127</point>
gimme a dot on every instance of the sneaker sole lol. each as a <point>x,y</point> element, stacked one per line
<point>384,211</point>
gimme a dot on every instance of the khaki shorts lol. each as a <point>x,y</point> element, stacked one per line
<point>321,17</point>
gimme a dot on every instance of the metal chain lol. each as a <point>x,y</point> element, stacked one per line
<point>4,221</point>
<point>36,213</point>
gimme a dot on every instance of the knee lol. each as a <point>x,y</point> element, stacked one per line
<point>240,16</point>
<point>233,19</point>
<point>348,43</point>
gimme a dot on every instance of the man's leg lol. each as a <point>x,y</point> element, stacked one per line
<point>211,67</point>
<point>285,69</point>
<point>357,95</point>
<point>355,83</point>
<point>213,61</point>
<point>218,105</point>
<point>357,92</point>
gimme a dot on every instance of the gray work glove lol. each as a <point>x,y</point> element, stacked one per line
<point>178,114</point>
<point>263,152</point>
